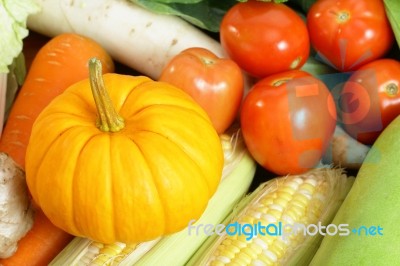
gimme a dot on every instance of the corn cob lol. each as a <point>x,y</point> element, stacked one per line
<point>82,252</point>
<point>306,199</point>
<point>238,172</point>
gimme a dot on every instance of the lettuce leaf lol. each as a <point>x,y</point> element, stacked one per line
<point>13,16</point>
<point>15,79</point>
<point>9,85</point>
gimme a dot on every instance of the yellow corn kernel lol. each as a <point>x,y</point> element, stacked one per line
<point>291,200</point>
<point>128,249</point>
<point>92,251</point>
<point>108,254</point>
<point>229,254</point>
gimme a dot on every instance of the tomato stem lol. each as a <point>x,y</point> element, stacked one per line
<point>343,16</point>
<point>207,61</point>
<point>392,89</point>
<point>109,120</point>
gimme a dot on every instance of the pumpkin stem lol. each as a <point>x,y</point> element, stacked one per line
<point>109,119</point>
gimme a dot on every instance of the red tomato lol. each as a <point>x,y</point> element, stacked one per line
<point>370,99</point>
<point>264,37</point>
<point>287,121</point>
<point>349,33</point>
<point>216,84</point>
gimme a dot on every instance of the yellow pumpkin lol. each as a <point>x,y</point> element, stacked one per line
<point>131,164</point>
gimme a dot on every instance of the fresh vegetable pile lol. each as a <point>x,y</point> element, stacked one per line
<point>193,132</point>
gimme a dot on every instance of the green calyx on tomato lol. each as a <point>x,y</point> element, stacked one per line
<point>287,121</point>
<point>392,89</point>
<point>207,61</point>
<point>343,16</point>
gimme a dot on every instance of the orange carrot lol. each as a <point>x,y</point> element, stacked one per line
<point>61,62</point>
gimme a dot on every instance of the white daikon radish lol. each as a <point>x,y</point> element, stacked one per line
<point>138,38</point>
